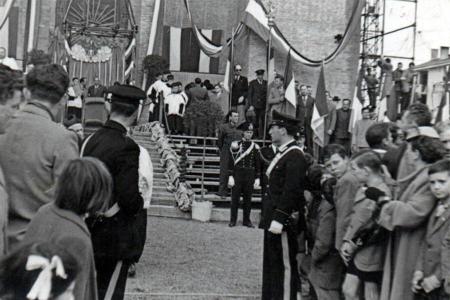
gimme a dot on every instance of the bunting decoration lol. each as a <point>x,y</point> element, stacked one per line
<point>6,10</point>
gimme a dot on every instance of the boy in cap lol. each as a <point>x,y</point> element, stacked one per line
<point>118,239</point>
<point>175,105</point>
<point>257,98</point>
<point>244,171</point>
<point>286,176</point>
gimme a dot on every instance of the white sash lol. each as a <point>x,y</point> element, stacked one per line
<point>278,157</point>
<point>247,152</point>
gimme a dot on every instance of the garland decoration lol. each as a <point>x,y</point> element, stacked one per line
<point>170,161</point>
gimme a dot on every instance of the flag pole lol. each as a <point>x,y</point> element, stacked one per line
<point>230,84</point>
<point>271,22</point>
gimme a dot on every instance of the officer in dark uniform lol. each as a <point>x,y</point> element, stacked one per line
<point>118,235</point>
<point>267,153</point>
<point>286,175</point>
<point>244,171</point>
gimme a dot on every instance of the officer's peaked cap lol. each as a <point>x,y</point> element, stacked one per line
<point>126,94</point>
<point>284,120</point>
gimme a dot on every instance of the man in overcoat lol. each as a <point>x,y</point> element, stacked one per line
<point>239,93</point>
<point>117,236</point>
<point>228,133</point>
<point>286,176</point>
<point>257,99</point>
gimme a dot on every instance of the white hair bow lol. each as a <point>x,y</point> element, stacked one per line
<point>42,287</point>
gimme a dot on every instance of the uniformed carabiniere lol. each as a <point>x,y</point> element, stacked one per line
<point>286,176</point>
<point>118,236</point>
<point>244,173</point>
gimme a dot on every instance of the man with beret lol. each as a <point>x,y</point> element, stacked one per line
<point>257,98</point>
<point>286,175</point>
<point>118,236</point>
<point>244,171</point>
<point>175,106</point>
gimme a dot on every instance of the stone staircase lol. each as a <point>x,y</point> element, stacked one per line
<point>163,202</point>
<point>161,195</point>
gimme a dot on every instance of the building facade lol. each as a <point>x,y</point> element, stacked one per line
<point>310,26</point>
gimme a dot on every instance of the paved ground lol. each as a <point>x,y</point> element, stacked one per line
<point>191,260</point>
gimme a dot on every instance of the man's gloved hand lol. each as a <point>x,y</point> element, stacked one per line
<point>257,184</point>
<point>430,283</point>
<point>416,282</point>
<point>231,182</point>
<point>276,228</point>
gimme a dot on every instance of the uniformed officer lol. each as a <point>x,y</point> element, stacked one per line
<point>286,176</point>
<point>267,153</point>
<point>119,235</point>
<point>244,173</point>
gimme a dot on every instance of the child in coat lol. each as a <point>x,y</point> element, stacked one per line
<point>433,264</point>
<point>365,260</point>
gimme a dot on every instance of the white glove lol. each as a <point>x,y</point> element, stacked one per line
<point>256,185</point>
<point>241,99</point>
<point>276,228</point>
<point>430,284</point>
<point>230,182</point>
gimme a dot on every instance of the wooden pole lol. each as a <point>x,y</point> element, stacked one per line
<point>230,96</point>
<point>266,112</point>
<point>203,168</point>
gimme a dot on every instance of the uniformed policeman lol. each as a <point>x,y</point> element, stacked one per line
<point>119,235</point>
<point>286,176</point>
<point>244,171</point>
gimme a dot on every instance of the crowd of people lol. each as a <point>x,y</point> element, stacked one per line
<point>365,217</point>
<point>373,224</point>
<point>70,227</point>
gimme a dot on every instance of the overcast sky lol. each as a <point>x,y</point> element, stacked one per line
<point>433,27</point>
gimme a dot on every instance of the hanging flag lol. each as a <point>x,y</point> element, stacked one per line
<point>443,113</point>
<point>181,50</point>
<point>289,87</point>
<point>5,10</point>
<point>228,80</point>
<point>320,110</point>
<point>358,102</point>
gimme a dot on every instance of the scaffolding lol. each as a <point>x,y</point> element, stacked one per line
<point>373,31</point>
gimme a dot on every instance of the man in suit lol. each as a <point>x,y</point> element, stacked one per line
<point>197,92</point>
<point>340,134</point>
<point>228,133</point>
<point>35,149</point>
<point>117,236</point>
<point>257,99</point>
<point>97,90</point>
<point>304,112</point>
<point>286,176</point>
<point>239,93</point>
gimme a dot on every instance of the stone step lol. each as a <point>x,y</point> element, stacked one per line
<point>218,214</point>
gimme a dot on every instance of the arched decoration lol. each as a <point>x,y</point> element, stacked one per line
<point>99,39</point>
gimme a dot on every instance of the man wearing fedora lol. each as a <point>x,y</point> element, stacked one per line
<point>286,176</point>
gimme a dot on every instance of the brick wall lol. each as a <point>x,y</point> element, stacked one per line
<point>310,26</point>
